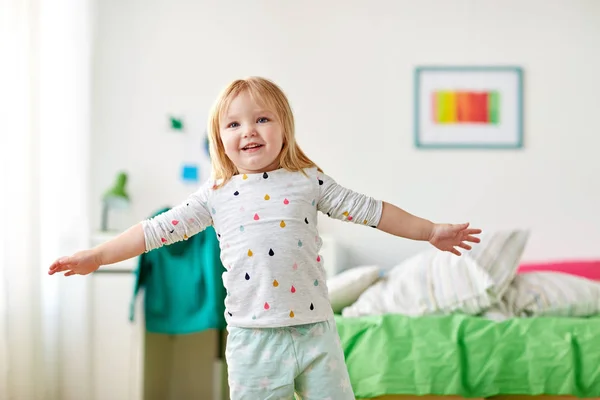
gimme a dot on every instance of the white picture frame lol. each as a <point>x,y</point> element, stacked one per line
<point>468,107</point>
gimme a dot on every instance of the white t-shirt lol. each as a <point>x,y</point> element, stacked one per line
<point>267,228</point>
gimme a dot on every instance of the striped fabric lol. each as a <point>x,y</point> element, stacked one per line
<point>432,282</point>
<point>499,254</point>
<point>553,294</point>
<point>436,282</point>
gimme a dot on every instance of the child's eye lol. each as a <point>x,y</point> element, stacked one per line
<point>233,125</point>
<point>262,120</point>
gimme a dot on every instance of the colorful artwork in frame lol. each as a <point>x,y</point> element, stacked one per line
<point>469,107</point>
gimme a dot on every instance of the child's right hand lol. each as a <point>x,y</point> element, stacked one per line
<point>81,263</point>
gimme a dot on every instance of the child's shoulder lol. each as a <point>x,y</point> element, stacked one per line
<point>315,174</point>
<point>311,173</point>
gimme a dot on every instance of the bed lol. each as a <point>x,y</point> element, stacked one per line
<point>548,346</point>
<point>393,355</point>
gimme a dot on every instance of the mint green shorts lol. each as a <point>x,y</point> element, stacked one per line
<point>273,363</point>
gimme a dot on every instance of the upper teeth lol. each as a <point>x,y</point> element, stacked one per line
<point>250,146</point>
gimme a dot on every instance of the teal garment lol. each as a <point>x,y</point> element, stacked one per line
<point>184,292</point>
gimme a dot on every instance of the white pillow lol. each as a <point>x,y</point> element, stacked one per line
<point>499,254</point>
<point>436,282</point>
<point>347,286</point>
<point>432,282</point>
<point>548,293</point>
<point>497,313</point>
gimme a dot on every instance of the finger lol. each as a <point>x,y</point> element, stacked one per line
<point>472,239</point>
<point>66,260</point>
<point>57,269</point>
<point>54,265</point>
<point>61,263</point>
<point>69,273</point>
<point>61,268</point>
<point>473,231</point>
<point>454,251</point>
<point>459,227</point>
<point>465,246</point>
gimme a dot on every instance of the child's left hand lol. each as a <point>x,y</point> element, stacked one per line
<point>446,236</point>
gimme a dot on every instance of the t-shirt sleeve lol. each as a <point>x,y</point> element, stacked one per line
<point>347,205</point>
<point>180,222</point>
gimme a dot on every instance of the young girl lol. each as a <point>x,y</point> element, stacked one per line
<point>263,204</point>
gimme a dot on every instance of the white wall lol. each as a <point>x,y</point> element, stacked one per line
<point>347,67</point>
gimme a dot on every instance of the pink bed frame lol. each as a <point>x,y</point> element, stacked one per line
<point>589,269</point>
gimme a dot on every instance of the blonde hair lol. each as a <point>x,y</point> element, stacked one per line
<point>264,91</point>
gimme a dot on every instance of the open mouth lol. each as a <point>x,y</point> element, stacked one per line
<point>252,147</point>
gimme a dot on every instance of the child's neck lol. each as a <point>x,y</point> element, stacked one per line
<point>267,169</point>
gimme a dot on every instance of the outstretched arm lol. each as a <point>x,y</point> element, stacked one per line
<point>398,222</point>
<point>445,237</point>
<point>127,245</point>
<point>176,224</point>
<point>344,204</point>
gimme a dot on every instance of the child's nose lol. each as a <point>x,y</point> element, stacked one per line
<point>249,131</point>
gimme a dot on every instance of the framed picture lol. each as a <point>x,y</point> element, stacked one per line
<point>469,107</point>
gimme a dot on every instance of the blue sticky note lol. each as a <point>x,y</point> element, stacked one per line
<point>190,173</point>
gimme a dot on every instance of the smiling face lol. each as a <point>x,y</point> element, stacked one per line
<point>252,135</point>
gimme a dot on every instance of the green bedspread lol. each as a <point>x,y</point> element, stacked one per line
<point>471,356</point>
